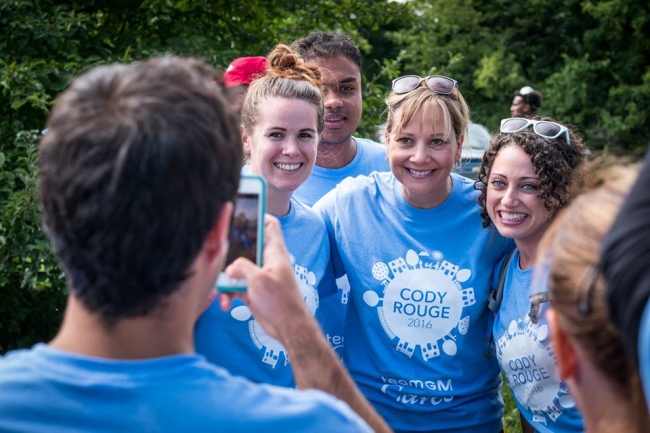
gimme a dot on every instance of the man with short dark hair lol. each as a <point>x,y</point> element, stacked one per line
<point>340,155</point>
<point>526,102</point>
<point>138,173</point>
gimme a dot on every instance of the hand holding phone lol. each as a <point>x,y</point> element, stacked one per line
<point>246,235</point>
<point>272,294</point>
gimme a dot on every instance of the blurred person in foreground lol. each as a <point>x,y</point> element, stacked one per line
<point>590,354</point>
<point>626,267</point>
<point>137,177</point>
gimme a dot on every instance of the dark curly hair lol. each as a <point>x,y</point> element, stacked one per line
<point>554,163</point>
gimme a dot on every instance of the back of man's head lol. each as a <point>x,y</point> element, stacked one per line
<point>319,44</point>
<point>135,167</point>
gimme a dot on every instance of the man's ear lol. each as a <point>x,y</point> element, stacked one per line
<point>567,366</point>
<point>216,242</point>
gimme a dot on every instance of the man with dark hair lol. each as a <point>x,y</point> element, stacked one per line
<point>526,102</point>
<point>138,173</point>
<point>339,153</point>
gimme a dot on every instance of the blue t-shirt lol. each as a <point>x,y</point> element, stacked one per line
<point>235,341</point>
<point>48,390</point>
<point>526,356</point>
<point>417,331</point>
<point>370,156</point>
<point>644,352</point>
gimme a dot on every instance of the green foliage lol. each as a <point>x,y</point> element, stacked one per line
<point>31,284</point>
<point>590,60</point>
<point>511,418</point>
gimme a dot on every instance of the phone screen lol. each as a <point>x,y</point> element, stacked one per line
<point>246,234</point>
<point>243,230</point>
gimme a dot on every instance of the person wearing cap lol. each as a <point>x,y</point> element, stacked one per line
<point>239,75</point>
<point>526,102</point>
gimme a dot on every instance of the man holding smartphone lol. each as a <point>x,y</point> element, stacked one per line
<point>137,176</point>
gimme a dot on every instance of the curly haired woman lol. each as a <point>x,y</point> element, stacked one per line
<point>525,180</point>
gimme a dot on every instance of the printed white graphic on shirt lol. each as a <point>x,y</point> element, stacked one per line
<point>418,391</point>
<point>344,286</point>
<point>422,303</point>
<point>528,361</point>
<point>273,349</point>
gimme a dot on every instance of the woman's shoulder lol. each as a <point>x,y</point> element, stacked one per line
<point>465,187</point>
<point>305,213</point>
<point>356,188</point>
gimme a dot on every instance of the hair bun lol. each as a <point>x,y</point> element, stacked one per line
<point>285,63</point>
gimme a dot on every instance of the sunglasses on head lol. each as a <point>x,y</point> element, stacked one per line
<point>435,83</point>
<point>543,128</point>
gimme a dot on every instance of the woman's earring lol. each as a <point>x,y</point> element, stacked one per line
<point>457,163</point>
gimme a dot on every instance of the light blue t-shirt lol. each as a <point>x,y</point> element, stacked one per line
<point>48,390</point>
<point>526,356</point>
<point>417,331</point>
<point>370,156</point>
<point>644,352</point>
<point>235,341</point>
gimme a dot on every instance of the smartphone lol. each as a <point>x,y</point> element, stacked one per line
<point>246,229</point>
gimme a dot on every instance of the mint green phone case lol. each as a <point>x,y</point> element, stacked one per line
<point>225,284</point>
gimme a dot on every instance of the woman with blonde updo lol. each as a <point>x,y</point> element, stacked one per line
<point>591,357</point>
<point>282,119</point>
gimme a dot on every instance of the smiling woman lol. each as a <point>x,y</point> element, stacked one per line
<point>282,148</point>
<point>419,263</point>
<point>525,178</point>
<point>282,118</point>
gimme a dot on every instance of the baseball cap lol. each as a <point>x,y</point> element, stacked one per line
<point>243,70</point>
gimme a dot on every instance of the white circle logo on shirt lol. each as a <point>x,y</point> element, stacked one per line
<point>528,362</point>
<point>422,303</point>
<point>273,349</point>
